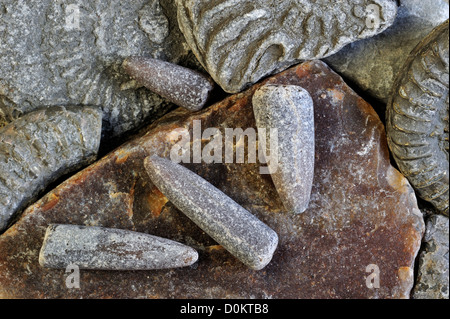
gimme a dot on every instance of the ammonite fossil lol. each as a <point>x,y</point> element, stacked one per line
<point>70,53</point>
<point>240,41</point>
<point>417,118</point>
<point>40,147</point>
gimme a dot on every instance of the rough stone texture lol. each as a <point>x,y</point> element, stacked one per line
<point>70,53</point>
<point>362,212</point>
<point>373,64</point>
<point>433,277</point>
<point>40,147</point>
<point>233,227</point>
<point>417,119</point>
<point>239,42</point>
<point>290,110</point>
<point>111,249</point>
<point>179,85</point>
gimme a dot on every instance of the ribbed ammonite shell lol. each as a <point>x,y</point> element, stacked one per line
<point>241,41</point>
<point>417,118</point>
<point>70,53</point>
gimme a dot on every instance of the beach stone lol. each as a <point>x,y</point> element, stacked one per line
<point>241,41</point>
<point>432,282</point>
<point>70,53</point>
<point>373,64</point>
<point>362,216</point>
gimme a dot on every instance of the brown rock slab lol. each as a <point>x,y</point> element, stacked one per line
<point>362,212</point>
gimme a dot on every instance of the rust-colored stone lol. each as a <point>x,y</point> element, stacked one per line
<point>362,212</point>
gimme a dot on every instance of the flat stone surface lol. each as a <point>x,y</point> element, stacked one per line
<point>70,53</point>
<point>373,63</point>
<point>241,41</point>
<point>432,282</point>
<point>362,212</point>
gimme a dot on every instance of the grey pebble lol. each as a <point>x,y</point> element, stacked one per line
<point>179,85</point>
<point>111,249</point>
<point>229,224</point>
<point>289,109</point>
<point>40,147</point>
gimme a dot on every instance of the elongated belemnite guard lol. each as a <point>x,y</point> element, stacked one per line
<point>181,86</point>
<point>289,109</point>
<point>111,249</point>
<point>233,227</point>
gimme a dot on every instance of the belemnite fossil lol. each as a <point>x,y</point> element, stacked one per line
<point>240,41</point>
<point>40,147</point>
<point>71,52</point>
<point>182,86</point>
<point>289,109</point>
<point>417,118</point>
<point>100,248</point>
<point>228,223</point>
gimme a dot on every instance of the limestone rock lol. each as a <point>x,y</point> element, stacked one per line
<point>417,119</point>
<point>433,277</point>
<point>239,42</point>
<point>111,249</point>
<point>362,212</point>
<point>40,147</point>
<point>372,64</point>
<point>70,53</point>
<point>290,110</point>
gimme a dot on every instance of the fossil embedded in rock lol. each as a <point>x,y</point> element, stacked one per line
<point>417,118</point>
<point>70,53</point>
<point>111,249</point>
<point>289,109</point>
<point>233,227</point>
<point>179,85</point>
<point>40,147</point>
<point>241,41</point>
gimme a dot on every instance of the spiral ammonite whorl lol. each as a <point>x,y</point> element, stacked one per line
<point>417,119</point>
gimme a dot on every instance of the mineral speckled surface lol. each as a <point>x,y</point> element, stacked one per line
<point>233,227</point>
<point>239,42</point>
<point>179,85</point>
<point>417,118</point>
<point>70,53</point>
<point>290,110</point>
<point>433,279</point>
<point>111,249</point>
<point>40,147</point>
<point>362,212</point>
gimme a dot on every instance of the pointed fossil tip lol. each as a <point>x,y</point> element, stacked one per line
<point>182,86</point>
<point>228,223</point>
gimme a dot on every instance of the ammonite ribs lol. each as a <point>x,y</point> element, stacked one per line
<point>41,146</point>
<point>70,53</point>
<point>241,41</point>
<point>417,119</point>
